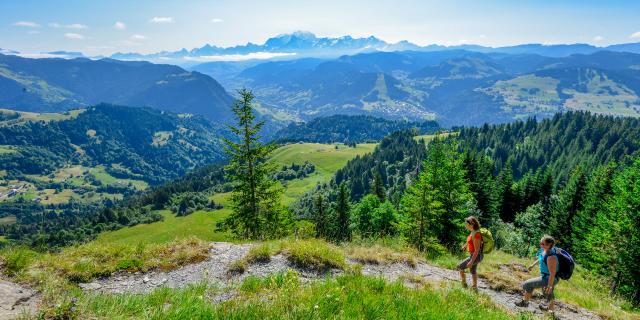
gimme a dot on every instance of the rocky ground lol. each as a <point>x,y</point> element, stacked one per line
<point>16,300</point>
<point>222,254</point>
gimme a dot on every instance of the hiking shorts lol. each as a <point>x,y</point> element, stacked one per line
<point>474,268</point>
<point>538,282</point>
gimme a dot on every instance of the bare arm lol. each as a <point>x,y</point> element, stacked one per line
<point>532,265</point>
<point>551,263</point>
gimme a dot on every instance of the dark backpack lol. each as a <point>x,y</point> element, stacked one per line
<point>565,261</point>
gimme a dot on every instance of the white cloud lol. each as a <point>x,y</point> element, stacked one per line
<point>73,36</point>
<point>77,26</point>
<point>119,25</point>
<point>242,57</point>
<point>217,20</point>
<point>598,38</point>
<point>137,37</point>
<point>41,55</point>
<point>635,35</point>
<point>161,20</point>
<point>26,24</point>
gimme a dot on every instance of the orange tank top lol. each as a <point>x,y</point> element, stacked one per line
<point>470,245</point>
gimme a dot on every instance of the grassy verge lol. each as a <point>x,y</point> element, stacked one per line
<point>282,296</point>
<point>85,262</point>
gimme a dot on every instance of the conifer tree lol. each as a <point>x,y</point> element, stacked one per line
<point>320,216</point>
<point>421,212</point>
<point>447,178</point>
<point>342,211</point>
<point>255,198</point>
<point>378,187</point>
<point>565,207</point>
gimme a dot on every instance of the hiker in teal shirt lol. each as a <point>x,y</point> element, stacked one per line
<point>549,266</point>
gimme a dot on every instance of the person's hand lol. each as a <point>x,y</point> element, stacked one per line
<point>469,264</point>
<point>548,290</point>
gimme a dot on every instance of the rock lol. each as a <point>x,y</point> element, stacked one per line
<point>90,286</point>
<point>16,300</point>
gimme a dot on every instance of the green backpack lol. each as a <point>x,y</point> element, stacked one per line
<point>487,240</point>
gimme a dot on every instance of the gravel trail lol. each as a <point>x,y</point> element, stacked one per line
<point>223,254</point>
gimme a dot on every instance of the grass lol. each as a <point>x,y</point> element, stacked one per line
<point>86,262</point>
<point>315,254</point>
<point>312,254</point>
<point>284,296</point>
<point>8,220</point>
<point>33,116</point>
<point>260,253</point>
<point>428,137</point>
<point>325,157</point>
<point>200,224</point>
<point>378,254</point>
<point>5,149</point>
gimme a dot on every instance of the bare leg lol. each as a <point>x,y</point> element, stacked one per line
<point>552,305</point>
<point>527,296</point>
<point>474,278</point>
<point>463,278</point>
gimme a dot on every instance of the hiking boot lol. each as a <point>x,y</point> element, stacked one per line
<point>522,304</point>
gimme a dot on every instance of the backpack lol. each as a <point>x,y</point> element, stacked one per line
<point>566,263</point>
<point>487,240</point>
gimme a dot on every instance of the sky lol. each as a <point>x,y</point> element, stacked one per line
<point>100,27</point>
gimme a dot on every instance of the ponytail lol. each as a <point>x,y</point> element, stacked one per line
<point>473,221</point>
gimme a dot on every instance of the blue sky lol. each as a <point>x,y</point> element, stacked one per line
<point>103,27</point>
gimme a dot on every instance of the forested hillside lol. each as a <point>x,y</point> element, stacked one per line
<point>130,142</point>
<point>559,144</point>
<point>348,129</point>
<point>54,85</point>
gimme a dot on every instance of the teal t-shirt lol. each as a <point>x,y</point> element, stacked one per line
<point>544,269</point>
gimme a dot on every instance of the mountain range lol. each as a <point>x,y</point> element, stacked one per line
<point>464,85</point>
<point>301,44</point>
<point>55,84</point>
<point>306,44</point>
<point>456,87</point>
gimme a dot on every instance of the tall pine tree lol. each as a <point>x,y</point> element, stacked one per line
<point>255,198</point>
<point>342,229</point>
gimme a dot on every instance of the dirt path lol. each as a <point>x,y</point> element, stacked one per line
<point>16,300</point>
<point>222,254</point>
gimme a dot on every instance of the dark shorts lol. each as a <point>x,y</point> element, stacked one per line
<point>474,268</point>
<point>538,282</point>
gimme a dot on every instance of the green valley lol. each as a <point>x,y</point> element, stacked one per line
<point>326,157</point>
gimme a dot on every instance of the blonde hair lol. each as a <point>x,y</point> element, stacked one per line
<point>547,239</point>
